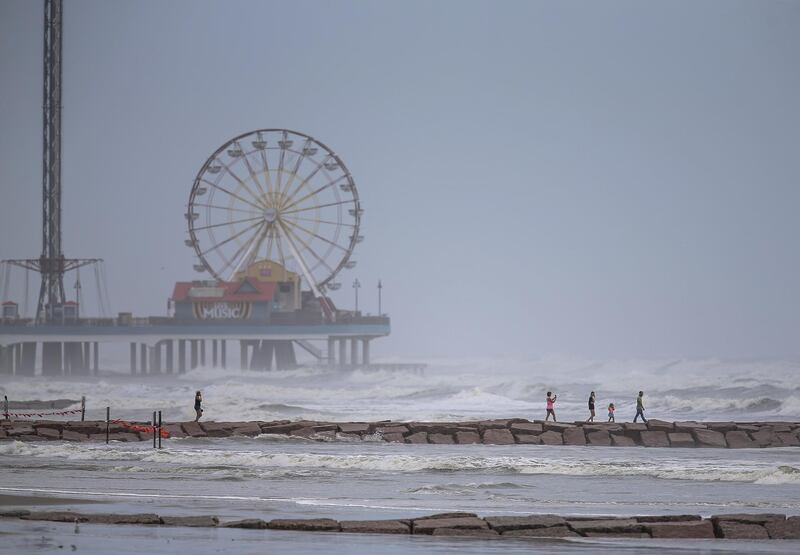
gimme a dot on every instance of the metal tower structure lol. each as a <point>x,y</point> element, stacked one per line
<point>51,264</point>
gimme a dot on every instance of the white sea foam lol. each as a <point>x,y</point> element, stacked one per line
<point>228,463</point>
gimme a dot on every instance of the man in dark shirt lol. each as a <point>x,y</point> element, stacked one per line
<point>198,407</point>
<point>640,407</point>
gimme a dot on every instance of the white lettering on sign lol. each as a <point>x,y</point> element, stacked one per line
<point>222,311</point>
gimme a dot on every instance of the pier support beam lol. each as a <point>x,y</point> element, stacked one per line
<point>96,358</point>
<point>214,353</point>
<point>27,359</point>
<point>342,353</point>
<point>203,352</point>
<point>244,363</point>
<point>170,356</point>
<point>6,359</point>
<point>155,368</point>
<point>133,358</point>
<point>365,351</point>
<point>223,347</point>
<point>52,358</point>
<point>193,353</point>
<point>181,356</point>
<point>143,355</point>
<point>284,355</point>
<point>331,351</point>
<point>354,351</point>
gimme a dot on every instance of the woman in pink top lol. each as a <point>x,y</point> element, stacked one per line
<point>550,403</point>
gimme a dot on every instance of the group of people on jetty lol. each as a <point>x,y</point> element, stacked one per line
<point>551,411</point>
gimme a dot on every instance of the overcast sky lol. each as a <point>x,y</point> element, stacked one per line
<point>608,179</point>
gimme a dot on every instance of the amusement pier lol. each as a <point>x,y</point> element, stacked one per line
<point>273,217</point>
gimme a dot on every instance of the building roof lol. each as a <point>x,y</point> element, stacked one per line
<point>10,303</point>
<point>249,290</point>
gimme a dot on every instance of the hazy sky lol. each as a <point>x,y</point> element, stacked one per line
<point>610,179</point>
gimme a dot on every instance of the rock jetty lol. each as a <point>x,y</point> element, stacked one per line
<point>730,526</point>
<point>656,433</point>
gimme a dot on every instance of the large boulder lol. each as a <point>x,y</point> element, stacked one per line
<point>484,425</point>
<point>526,439</point>
<point>112,518</point>
<point>765,437</point>
<point>607,526</point>
<point>278,428</point>
<point>204,521</point>
<point>249,523</point>
<point>710,438</point>
<point>574,436</point>
<point>655,439</point>
<point>660,425</point>
<point>689,426</point>
<point>482,533</point>
<point>49,433</point>
<point>551,437</point>
<point>738,439</point>
<point>788,439</point>
<point>418,437</point>
<point>468,437</point>
<point>528,428</point>
<point>55,516</point>
<point>399,429</point>
<point>69,435</point>
<point>217,429</point>
<point>498,436</point>
<point>393,437</point>
<point>249,429</point>
<point>557,426</point>
<point>506,523</point>
<point>375,526</point>
<point>622,441</point>
<point>175,430</point>
<point>600,437</point>
<point>193,429</point>
<point>441,439</point>
<point>428,525</point>
<point>354,428</point>
<point>550,532</point>
<point>681,439</point>
<point>739,531</point>
<point>688,529</point>
<point>788,529</point>
<point>306,525</point>
<point>722,427</point>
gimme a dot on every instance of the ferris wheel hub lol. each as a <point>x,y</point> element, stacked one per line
<point>270,215</point>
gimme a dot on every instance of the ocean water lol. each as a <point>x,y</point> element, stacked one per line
<point>274,477</point>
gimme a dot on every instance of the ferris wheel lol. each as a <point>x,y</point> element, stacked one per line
<point>278,195</point>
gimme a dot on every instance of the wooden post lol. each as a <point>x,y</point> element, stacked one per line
<point>159,429</point>
<point>5,406</point>
<point>83,408</point>
<point>155,429</point>
<point>108,420</point>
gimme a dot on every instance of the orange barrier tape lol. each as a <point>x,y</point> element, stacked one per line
<point>140,428</point>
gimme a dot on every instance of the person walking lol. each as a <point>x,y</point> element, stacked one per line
<point>198,405</point>
<point>591,407</point>
<point>551,399</point>
<point>611,409</point>
<point>640,407</point>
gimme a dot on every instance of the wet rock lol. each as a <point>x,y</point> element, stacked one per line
<point>689,426</point>
<point>217,429</point>
<point>654,439</point>
<point>392,429</point>
<point>740,531</point>
<point>599,438</point>
<point>484,425</point>
<point>16,513</point>
<point>17,430</point>
<point>497,436</point>
<point>375,526</point>
<point>788,529</point>
<point>354,428</point>
<point>527,428</point>
<point>506,523</point>
<point>526,439</point>
<point>447,515</point>
<point>660,425</point>
<point>681,439</point>
<point>273,428</point>
<point>49,433</point>
<point>629,535</point>
<point>30,438</point>
<point>668,518</point>
<point>748,427</point>
<point>603,427</point>
<point>191,521</point>
<point>765,437</point>
<point>574,436</point>
<point>418,437</point>
<point>393,437</point>
<point>622,441</point>
<point>722,427</point>
<point>111,518</point>
<point>551,532</point>
<point>249,429</point>
<point>606,526</point>
<point>470,532</point>
<point>175,430</point>
<point>557,426</point>
<point>428,525</point>
<point>749,518</point>
<point>85,428</point>
<point>710,438</point>
<point>430,427</point>
<point>305,525</point>
<point>693,529</point>
<point>634,427</point>
<point>788,439</point>
<point>124,436</point>
<point>441,439</point>
<point>739,439</point>
<point>248,523</point>
<point>55,516</point>
<point>551,438</point>
<point>193,429</point>
<point>55,424</point>
<point>97,437</point>
<point>467,437</point>
<point>69,435</point>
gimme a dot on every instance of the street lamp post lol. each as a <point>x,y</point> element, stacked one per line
<point>380,288</point>
<point>356,286</point>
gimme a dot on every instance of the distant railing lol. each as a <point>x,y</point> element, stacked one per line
<point>298,318</point>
